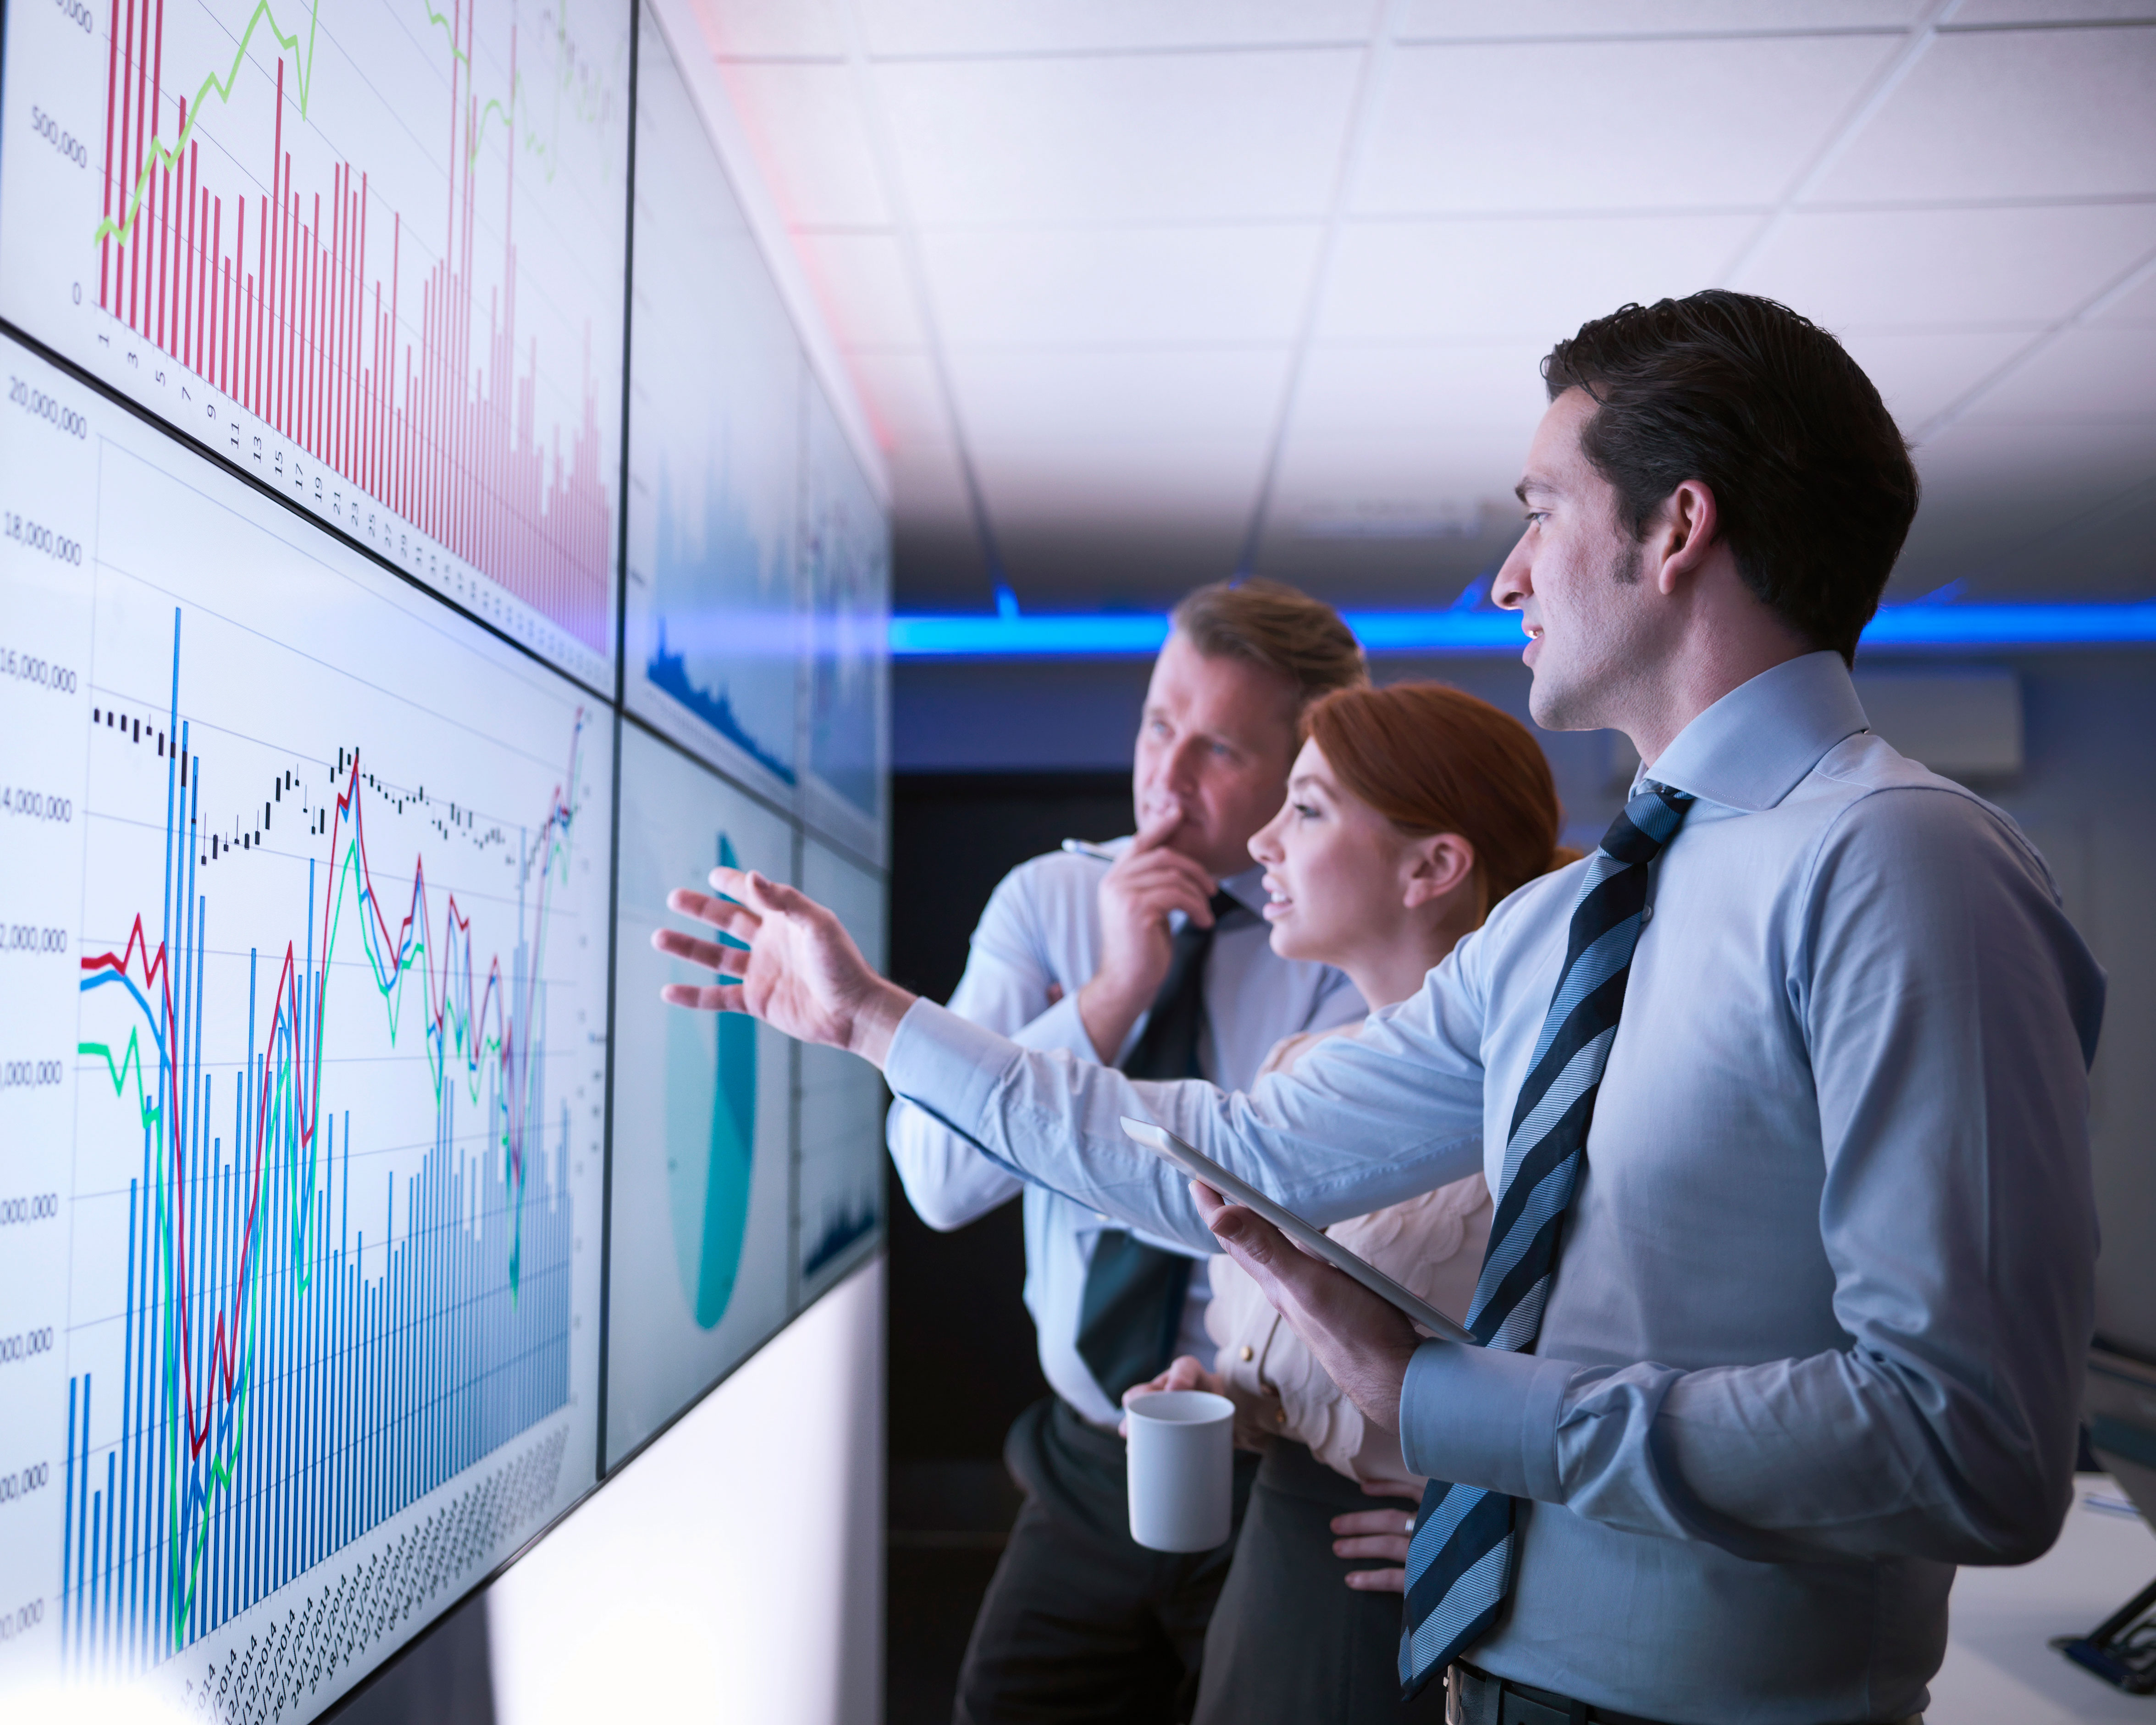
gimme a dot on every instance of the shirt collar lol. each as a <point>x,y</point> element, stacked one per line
<point>1755,746</point>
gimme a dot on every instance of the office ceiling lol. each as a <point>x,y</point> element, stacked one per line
<point>1141,292</point>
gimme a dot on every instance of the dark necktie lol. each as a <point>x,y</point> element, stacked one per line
<point>1459,1562</point>
<point>1132,1309</point>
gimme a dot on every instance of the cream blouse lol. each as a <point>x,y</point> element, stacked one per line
<point>1433,1244</point>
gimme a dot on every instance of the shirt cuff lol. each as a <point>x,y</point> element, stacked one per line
<point>1060,1028</point>
<point>946,1064</point>
<point>1475,1416</point>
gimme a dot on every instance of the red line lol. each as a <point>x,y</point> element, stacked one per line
<point>487,1002</point>
<point>112,99</point>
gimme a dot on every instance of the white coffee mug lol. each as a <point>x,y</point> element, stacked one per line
<point>1182,1466</point>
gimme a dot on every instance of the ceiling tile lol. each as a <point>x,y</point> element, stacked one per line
<point>1358,393</point>
<point>1176,137</point>
<point>860,280</point>
<point>977,27</point>
<point>1994,491</point>
<point>1921,372</point>
<point>1456,19</point>
<point>1585,126</point>
<point>2011,114</point>
<point>2079,373</point>
<point>1889,268</point>
<point>1973,12</point>
<point>2137,304</point>
<point>1128,434</point>
<point>1433,482</point>
<point>805,123</point>
<point>777,28</point>
<point>1063,287</point>
<point>1537,277</point>
<point>903,397</point>
<point>1144,400</point>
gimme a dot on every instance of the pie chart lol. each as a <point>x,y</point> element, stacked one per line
<point>711,1137</point>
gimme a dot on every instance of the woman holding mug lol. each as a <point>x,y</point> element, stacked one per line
<point>1411,811</point>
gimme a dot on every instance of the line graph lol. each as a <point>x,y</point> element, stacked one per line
<point>320,1043</point>
<point>409,328</point>
<point>248,1319</point>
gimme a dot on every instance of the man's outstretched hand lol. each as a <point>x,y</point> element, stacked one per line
<point>1363,1343</point>
<point>800,972</point>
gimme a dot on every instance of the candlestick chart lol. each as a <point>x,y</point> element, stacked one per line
<point>323,1134</point>
<point>369,249</point>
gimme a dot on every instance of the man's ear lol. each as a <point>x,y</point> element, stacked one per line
<point>1683,533</point>
<point>1437,868</point>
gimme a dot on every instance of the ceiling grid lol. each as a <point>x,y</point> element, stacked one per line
<point>1140,294</point>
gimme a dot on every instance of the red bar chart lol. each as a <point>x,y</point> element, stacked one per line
<point>412,327</point>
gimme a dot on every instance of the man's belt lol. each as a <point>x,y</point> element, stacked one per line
<point>1475,1697</point>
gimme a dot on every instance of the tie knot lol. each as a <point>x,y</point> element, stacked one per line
<point>1649,821</point>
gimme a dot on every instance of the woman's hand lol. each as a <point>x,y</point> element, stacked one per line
<point>1381,1533</point>
<point>1183,1372</point>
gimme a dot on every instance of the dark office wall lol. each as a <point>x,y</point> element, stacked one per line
<point>961,1344</point>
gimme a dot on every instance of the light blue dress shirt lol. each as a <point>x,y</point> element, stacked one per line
<point>1818,1325</point>
<point>1042,927</point>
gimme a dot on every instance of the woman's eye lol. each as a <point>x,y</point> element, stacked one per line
<point>1305,812</point>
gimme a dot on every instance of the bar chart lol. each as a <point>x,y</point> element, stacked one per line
<point>713,633</point>
<point>409,330</point>
<point>326,1128</point>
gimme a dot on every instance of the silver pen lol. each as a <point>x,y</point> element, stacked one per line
<point>1086,848</point>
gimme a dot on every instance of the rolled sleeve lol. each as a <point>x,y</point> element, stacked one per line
<point>1475,1416</point>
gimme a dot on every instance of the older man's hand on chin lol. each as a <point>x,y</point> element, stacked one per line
<point>795,967</point>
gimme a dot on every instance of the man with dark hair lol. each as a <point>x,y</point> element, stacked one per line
<point>1783,1094</point>
<point>1815,488</point>
<point>1156,960</point>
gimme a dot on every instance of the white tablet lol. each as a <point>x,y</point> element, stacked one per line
<point>1315,1241</point>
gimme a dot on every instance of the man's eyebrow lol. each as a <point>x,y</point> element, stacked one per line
<point>1534,482</point>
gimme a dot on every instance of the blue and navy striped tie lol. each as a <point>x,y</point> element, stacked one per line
<point>1459,1562</point>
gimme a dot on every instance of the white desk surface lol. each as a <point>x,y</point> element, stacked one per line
<point>2000,1669</point>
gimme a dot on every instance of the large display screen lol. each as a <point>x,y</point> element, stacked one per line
<point>305,1052</point>
<point>703,1113</point>
<point>359,1204</point>
<point>716,383</point>
<point>375,257</point>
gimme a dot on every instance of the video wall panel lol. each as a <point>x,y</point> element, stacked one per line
<point>702,1112</point>
<point>329,1027</point>
<point>840,1209</point>
<point>303,1074</point>
<point>717,381</point>
<point>846,563</point>
<point>375,258</point>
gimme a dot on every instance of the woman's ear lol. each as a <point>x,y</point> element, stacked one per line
<point>1439,867</point>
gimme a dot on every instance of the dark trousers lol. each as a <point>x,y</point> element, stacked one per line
<point>1291,1641</point>
<point>1080,1621</point>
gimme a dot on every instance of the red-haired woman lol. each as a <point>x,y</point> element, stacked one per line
<point>1411,811</point>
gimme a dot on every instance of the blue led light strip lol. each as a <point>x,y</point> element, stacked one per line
<point>1084,635</point>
